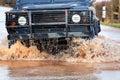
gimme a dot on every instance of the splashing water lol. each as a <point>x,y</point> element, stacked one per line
<point>98,49</point>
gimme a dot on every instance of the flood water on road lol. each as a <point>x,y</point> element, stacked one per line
<point>90,65</point>
<point>58,70</point>
<point>45,70</point>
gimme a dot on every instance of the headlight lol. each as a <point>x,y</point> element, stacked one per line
<point>76,18</point>
<point>22,20</point>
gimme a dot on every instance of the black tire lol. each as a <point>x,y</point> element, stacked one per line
<point>10,43</point>
<point>99,28</point>
<point>96,31</point>
<point>25,43</point>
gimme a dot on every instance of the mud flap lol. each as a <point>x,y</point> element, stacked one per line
<point>92,32</point>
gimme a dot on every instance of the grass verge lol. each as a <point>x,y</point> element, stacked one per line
<point>117,25</point>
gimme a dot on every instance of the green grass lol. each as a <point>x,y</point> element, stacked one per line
<point>117,25</point>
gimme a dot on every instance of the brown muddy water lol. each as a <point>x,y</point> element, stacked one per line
<point>96,59</point>
<point>98,49</point>
<point>58,70</point>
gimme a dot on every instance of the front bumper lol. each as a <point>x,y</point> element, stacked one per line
<point>45,36</point>
<point>38,28</point>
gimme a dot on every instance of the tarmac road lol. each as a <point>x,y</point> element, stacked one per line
<point>110,33</point>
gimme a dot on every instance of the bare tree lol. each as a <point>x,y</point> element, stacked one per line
<point>99,6</point>
<point>11,2</point>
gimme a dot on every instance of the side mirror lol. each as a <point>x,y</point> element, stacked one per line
<point>92,1</point>
<point>8,1</point>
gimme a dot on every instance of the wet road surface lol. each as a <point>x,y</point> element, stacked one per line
<point>45,70</point>
<point>111,33</point>
<point>57,70</point>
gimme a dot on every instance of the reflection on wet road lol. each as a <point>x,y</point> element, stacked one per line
<point>45,70</point>
<point>58,70</point>
<point>109,75</point>
<point>111,33</point>
<point>4,73</point>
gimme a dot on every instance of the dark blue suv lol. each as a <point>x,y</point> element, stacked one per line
<point>51,21</point>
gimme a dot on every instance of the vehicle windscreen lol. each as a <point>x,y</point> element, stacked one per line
<point>34,1</point>
<point>68,0</point>
<point>47,1</point>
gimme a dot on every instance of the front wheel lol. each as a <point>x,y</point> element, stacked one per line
<point>10,43</point>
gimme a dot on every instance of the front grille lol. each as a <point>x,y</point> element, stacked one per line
<point>49,29</point>
<point>48,16</point>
